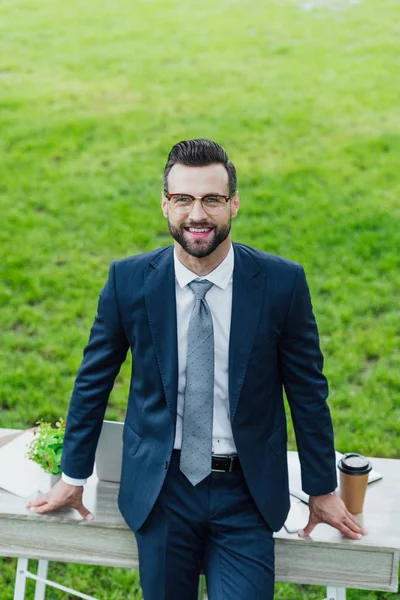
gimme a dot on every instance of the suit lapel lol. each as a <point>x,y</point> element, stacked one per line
<point>247,297</point>
<point>159,289</point>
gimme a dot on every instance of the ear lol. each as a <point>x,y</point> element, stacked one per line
<point>235,204</point>
<point>164,205</point>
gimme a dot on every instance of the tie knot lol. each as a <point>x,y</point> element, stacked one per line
<point>200,288</point>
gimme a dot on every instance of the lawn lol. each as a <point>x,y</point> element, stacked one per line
<point>304,96</point>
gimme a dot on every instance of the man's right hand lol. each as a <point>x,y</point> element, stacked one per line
<point>61,494</point>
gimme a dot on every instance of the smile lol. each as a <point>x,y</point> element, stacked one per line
<point>198,231</point>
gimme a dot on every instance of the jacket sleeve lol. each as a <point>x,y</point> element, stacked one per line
<point>306,389</point>
<point>102,360</point>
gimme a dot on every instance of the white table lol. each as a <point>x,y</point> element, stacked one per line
<point>326,558</point>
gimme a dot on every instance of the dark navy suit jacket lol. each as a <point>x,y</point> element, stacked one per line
<point>273,344</point>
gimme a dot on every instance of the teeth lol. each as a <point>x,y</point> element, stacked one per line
<point>194,230</point>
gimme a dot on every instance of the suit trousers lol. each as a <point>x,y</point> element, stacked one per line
<point>214,526</point>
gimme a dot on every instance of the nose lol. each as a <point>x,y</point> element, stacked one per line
<point>197,212</point>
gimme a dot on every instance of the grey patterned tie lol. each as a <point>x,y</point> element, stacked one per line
<point>196,447</point>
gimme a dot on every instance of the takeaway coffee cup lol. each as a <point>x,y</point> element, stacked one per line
<point>354,469</point>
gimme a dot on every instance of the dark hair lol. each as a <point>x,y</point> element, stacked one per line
<point>200,153</point>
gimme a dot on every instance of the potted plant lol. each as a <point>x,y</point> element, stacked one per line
<point>46,450</point>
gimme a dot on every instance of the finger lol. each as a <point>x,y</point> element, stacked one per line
<point>309,527</point>
<point>84,512</point>
<point>351,518</point>
<point>38,501</point>
<point>349,532</point>
<point>354,525</point>
<point>44,508</point>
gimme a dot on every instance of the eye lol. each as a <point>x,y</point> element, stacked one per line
<point>181,199</point>
<point>214,200</point>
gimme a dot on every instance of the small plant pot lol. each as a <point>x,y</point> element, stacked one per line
<point>47,481</point>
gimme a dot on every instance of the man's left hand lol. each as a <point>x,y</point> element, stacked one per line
<point>331,509</point>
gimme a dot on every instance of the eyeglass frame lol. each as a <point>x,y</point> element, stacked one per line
<point>201,198</point>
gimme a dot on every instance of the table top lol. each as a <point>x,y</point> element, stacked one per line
<point>381,515</point>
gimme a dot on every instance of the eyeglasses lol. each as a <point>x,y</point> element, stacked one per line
<point>182,204</point>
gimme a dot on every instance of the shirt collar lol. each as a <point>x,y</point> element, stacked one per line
<point>220,276</point>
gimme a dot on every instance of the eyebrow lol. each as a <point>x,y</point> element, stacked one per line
<point>208,194</point>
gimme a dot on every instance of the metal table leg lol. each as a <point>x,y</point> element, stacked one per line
<point>20,579</point>
<point>335,593</point>
<point>40,588</point>
<point>41,582</point>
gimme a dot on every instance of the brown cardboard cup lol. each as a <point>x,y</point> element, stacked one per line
<point>354,469</point>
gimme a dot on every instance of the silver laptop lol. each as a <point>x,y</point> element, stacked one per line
<point>108,458</point>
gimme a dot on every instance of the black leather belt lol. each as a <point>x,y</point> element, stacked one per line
<point>225,463</point>
<point>221,463</point>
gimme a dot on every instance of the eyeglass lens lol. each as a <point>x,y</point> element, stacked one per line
<point>181,203</point>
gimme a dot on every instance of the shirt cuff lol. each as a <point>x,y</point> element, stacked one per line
<point>72,480</point>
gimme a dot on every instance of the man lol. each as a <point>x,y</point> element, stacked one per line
<point>216,330</point>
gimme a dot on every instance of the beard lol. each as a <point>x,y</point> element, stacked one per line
<point>200,248</point>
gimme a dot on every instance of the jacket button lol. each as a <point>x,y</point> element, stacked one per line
<point>165,464</point>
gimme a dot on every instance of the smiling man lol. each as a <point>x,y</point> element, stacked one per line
<point>200,229</point>
<point>217,330</point>
<point>200,222</point>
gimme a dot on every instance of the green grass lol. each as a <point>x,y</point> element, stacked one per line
<point>93,96</point>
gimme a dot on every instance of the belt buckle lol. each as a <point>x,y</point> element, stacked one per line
<point>230,464</point>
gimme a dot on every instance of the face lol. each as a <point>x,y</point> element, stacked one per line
<point>185,229</point>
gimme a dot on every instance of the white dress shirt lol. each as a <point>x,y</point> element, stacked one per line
<point>219,299</point>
